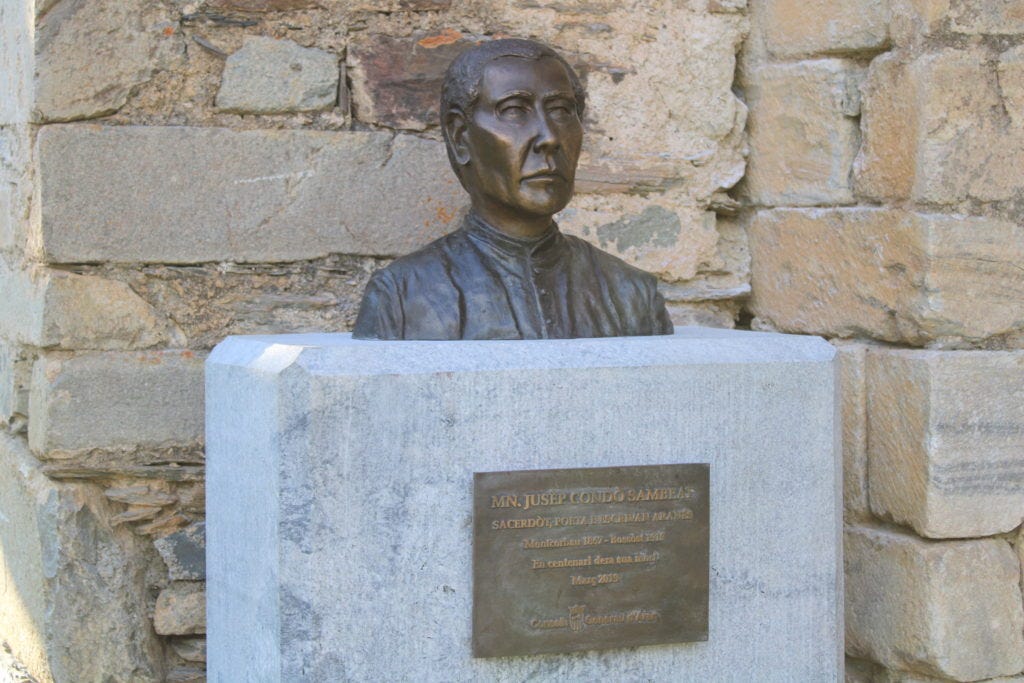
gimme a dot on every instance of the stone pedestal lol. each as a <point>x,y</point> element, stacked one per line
<point>340,480</point>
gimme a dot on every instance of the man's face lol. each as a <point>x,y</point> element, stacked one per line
<point>524,137</point>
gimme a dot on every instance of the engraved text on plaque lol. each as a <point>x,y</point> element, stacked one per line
<point>581,559</point>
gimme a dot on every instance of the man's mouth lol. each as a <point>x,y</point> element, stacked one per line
<point>544,175</point>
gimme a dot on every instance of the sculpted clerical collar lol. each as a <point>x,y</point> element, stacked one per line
<point>482,231</point>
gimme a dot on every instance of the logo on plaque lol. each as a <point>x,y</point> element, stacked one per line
<point>576,617</point>
<point>582,559</point>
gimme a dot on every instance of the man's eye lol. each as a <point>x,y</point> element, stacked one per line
<point>560,111</point>
<point>513,111</point>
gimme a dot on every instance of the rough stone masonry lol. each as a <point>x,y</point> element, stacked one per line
<point>172,172</point>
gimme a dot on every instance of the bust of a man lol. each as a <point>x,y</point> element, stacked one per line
<point>511,115</point>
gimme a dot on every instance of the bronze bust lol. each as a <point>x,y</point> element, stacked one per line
<point>511,115</point>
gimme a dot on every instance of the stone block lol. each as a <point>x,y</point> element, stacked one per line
<point>269,76</point>
<point>803,134</point>
<point>949,610</point>
<point>16,46</point>
<point>853,404</point>
<point>88,312</point>
<point>186,674</point>
<point>656,235</point>
<point>727,6</point>
<point>796,28</point>
<point>22,292</point>
<point>859,671</point>
<point>181,609</point>
<point>90,55</point>
<point>1000,17</point>
<point>396,81</point>
<point>190,649</point>
<point>264,195</point>
<point>886,166</point>
<point>887,274</point>
<point>72,587</point>
<point>370,447</point>
<point>212,301</point>
<point>261,5</point>
<point>914,20</point>
<point>935,131</point>
<point>405,5</point>
<point>115,400</point>
<point>965,150</point>
<point>891,676</point>
<point>16,189</point>
<point>184,553</point>
<point>945,437</point>
<point>51,308</point>
<point>7,220</point>
<point>15,373</point>
<point>1011,83</point>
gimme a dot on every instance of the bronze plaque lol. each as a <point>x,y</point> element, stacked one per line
<point>581,559</point>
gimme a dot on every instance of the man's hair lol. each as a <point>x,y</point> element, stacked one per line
<point>461,87</point>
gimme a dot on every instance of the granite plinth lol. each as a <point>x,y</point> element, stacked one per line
<point>339,496</point>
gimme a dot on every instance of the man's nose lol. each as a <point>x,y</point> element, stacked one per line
<point>546,137</point>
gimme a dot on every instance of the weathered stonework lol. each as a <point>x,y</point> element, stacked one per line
<point>89,55</point>
<point>935,131</point>
<point>803,134</point>
<point>184,553</point>
<point>269,76</point>
<point>71,599</point>
<point>1004,17</point>
<point>396,82</point>
<point>261,5</point>
<point>212,301</point>
<point>950,610</point>
<point>930,257</point>
<point>945,436</point>
<point>181,609</point>
<point>854,415</point>
<point>888,274</point>
<point>15,62</point>
<point>115,400</point>
<point>265,196</point>
<point>1011,83</point>
<point>795,28</point>
<point>15,373</point>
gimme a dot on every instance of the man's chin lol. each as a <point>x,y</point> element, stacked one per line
<point>543,203</point>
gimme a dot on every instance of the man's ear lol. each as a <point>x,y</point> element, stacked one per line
<point>456,128</point>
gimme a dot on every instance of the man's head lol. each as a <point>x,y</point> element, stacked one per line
<point>511,115</point>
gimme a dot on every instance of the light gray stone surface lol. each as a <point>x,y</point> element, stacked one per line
<point>15,372</point>
<point>950,610</point>
<point>945,440</point>
<point>70,582</point>
<point>358,457</point>
<point>269,76</point>
<point>15,61</point>
<point>115,400</point>
<point>90,55</point>
<point>190,195</point>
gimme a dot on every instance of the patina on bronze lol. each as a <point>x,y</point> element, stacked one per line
<point>584,559</point>
<point>511,115</point>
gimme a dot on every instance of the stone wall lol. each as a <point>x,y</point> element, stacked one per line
<point>174,172</point>
<point>884,205</point>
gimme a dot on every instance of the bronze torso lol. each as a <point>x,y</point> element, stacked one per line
<point>480,283</point>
